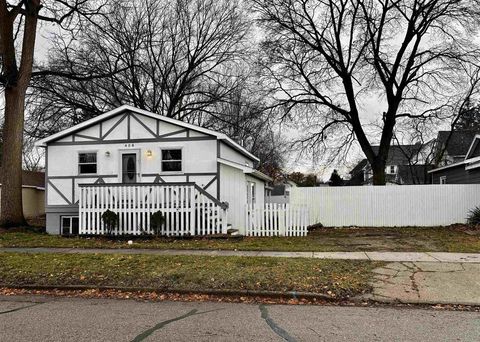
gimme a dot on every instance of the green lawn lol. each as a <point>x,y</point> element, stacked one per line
<point>335,278</point>
<point>440,239</point>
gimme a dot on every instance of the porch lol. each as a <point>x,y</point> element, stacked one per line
<point>186,207</point>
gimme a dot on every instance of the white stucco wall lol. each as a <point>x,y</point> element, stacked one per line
<point>199,155</point>
<point>228,153</point>
<point>259,189</point>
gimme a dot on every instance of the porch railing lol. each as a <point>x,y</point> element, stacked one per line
<point>275,219</point>
<point>187,208</point>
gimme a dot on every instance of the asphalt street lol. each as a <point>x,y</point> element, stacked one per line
<point>33,318</point>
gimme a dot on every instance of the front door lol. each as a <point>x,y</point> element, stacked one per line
<point>129,168</point>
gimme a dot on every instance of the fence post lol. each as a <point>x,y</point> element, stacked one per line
<point>283,219</point>
<point>192,210</point>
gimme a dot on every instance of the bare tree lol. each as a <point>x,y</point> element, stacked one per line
<point>178,57</point>
<point>459,114</point>
<point>19,21</point>
<point>326,57</point>
<point>246,116</point>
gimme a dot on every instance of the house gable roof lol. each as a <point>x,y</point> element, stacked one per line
<point>472,156</point>
<point>359,167</point>
<point>34,179</point>
<point>401,154</point>
<point>459,142</point>
<point>474,149</point>
<point>100,118</point>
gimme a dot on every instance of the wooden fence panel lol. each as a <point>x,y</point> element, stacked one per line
<point>275,219</point>
<point>186,209</point>
<point>388,206</point>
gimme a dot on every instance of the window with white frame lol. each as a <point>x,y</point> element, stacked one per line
<point>69,225</point>
<point>251,193</point>
<point>443,180</point>
<point>391,169</point>
<point>172,160</point>
<point>87,163</point>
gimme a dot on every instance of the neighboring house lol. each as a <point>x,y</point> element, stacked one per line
<point>127,147</point>
<point>281,192</point>
<point>451,147</point>
<point>406,164</point>
<point>464,166</point>
<point>33,193</point>
<point>357,174</point>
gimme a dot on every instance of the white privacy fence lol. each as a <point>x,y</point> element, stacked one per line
<point>275,219</point>
<point>186,208</point>
<point>388,206</point>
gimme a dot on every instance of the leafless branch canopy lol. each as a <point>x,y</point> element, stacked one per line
<point>326,57</point>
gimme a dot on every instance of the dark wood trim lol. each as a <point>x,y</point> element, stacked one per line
<point>83,176</point>
<point>144,126</point>
<point>128,125</point>
<point>173,133</point>
<point>86,137</point>
<point>114,126</point>
<point>222,205</point>
<point>210,183</point>
<point>59,192</point>
<point>136,184</point>
<point>131,141</point>
<point>192,174</point>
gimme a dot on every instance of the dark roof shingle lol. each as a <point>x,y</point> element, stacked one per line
<point>31,178</point>
<point>459,142</point>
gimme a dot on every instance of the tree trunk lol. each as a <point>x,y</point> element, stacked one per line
<point>378,169</point>
<point>11,196</point>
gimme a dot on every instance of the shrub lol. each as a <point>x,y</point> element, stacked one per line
<point>111,221</point>
<point>157,219</point>
<point>474,216</point>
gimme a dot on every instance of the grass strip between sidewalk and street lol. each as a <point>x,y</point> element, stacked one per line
<point>338,279</point>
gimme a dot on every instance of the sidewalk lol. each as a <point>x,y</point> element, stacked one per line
<point>434,257</point>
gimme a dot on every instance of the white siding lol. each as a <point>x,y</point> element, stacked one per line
<point>388,206</point>
<point>233,189</point>
<point>259,190</point>
<point>228,153</point>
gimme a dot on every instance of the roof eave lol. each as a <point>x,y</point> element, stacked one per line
<point>104,116</point>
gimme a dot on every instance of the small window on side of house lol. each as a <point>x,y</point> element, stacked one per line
<point>251,193</point>
<point>172,160</point>
<point>443,180</point>
<point>69,225</point>
<point>87,163</point>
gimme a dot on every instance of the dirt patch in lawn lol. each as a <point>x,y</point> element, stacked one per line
<point>414,239</point>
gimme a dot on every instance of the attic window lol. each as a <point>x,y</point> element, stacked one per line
<point>172,160</point>
<point>87,163</point>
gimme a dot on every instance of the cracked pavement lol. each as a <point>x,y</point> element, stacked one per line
<point>35,318</point>
<point>427,282</point>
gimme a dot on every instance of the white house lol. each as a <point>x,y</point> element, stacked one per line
<point>134,162</point>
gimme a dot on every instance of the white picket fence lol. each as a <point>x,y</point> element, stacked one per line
<point>388,206</point>
<point>275,219</point>
<point>187,209</point>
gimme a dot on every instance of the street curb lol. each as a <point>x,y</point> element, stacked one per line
<point>359,300</point>
<point>211,292</point>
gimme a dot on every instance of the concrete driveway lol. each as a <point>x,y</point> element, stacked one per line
<point>427,282</point>
<point>73,319</point>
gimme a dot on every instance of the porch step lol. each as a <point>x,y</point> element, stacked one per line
<point>232,231</point>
